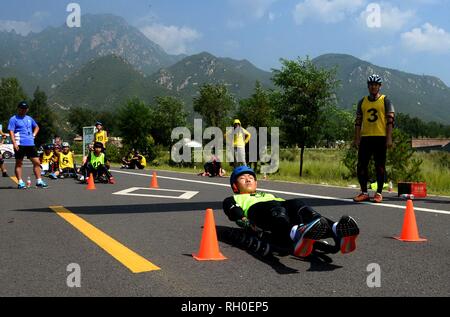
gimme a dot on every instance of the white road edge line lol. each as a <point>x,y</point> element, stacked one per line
<point>436,211</point>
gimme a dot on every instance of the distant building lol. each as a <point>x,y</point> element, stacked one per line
<point>427,145</point>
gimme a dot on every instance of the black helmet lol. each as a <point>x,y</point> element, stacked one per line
<point>98,145</point>
<point>374,79</point>
<point>240,171</point>
<point>48,147</point>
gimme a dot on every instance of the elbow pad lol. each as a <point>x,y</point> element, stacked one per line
<point>235,213</point>
<point>390,120</point>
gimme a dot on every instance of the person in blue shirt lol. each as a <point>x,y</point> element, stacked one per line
<point>23,130</point>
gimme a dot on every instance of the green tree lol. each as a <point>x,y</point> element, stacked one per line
<point>135,125</point>
<point>11,93</point>
<point>416,128</point>
<point>259,103</point>
<point>79,117</point>
<point>168,114</point>
<point>108,119</point>
<point>43,115</point>
<point>338,124</point>
<point>401,164</point>
<point>215,105</point>
<point>306,91</point>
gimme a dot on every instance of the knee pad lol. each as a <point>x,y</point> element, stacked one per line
<point>307,214</point>
<point>280,214</point>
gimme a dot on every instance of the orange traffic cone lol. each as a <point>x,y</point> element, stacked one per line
<point>410,232</point>
<point>91,183</point>
<point>209,246</point>
<point>154,183</point>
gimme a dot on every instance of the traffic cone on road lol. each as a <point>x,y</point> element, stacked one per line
<point>410,232</point>
<point>209,246</point>
<point>154,183</point>
<point>91,183</point>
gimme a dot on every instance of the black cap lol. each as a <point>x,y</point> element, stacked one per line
<point>23,105</point>
<point>98,145</point>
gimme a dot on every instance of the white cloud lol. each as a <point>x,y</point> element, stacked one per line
<point>21,27</point>
<point>328,11</point>
<point>377,52</point>
<point>252,8</point>
<point>392,18</point>
<point>428,38</point>
<point>25,27</point>
<point>173,39</point>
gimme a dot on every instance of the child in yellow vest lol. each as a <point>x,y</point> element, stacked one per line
<point>67,167</point>
<point>101,135</point>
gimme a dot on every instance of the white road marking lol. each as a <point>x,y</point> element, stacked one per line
<point>131,192</point>
<point>436,211</point>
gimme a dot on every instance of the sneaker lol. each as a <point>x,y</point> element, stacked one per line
<point>347,230</point>
<point>5,174</point>
<point>308,234</point>
<point>112,180</point>
<point>52,176</point>
<point>41,184</point>
<point>378,198</point>
<point>21,185</point>
<point>361,197</point>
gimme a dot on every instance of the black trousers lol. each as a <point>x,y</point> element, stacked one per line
<point>135,163</point>
<point>279,217</point>
<point>375,147</point>
<point>87,169</point>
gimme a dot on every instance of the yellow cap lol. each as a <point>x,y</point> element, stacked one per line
<point>237,122</point>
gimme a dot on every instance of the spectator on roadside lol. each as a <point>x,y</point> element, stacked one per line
<point>23,130</point>
<point>138,161</point>
<point>127,159</point>
<point>101,135</point>
<point>240,138</point>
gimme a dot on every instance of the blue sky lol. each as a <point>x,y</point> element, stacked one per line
<point>411,35</point>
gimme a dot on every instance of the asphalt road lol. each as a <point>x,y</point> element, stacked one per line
<point>37,245</point>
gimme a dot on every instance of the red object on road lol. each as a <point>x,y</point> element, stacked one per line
<point>419,190</point>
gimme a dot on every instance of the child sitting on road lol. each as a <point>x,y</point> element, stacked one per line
<point>98,165</point>
<point>289,221</point>
<point>213,168</point>
<point>46,160</point>
<point>67,167</point>
<point>135,160</point>
<point>55,162</point>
